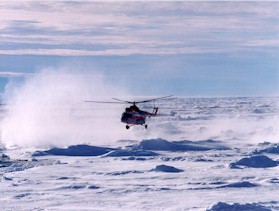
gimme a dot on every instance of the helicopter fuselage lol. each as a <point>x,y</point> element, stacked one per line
<point>134,116</point>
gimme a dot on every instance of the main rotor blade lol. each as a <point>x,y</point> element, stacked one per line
<point>92,101</point>
<point>159,98</point>
<point>124,101</point>
<point>129,102</point>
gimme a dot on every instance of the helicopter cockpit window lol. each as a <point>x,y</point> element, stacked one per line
<point>126,116</point>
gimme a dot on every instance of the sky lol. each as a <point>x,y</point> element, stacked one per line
<point>183,48</point>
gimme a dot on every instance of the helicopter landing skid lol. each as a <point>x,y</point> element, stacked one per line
<point>128,126</point>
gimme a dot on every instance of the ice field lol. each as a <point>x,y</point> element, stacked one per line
<point>198,154</point>
<point>201,77</point>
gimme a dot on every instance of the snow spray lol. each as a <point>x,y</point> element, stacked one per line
<point>48,109</point>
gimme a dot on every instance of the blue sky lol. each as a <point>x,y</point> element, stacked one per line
<point>153,48</point>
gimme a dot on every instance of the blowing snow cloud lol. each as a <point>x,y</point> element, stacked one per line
<point>48,108</point>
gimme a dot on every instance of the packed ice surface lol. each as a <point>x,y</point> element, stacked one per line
<point>198,154</point>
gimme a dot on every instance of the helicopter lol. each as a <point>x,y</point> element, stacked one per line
<point>133,115</point>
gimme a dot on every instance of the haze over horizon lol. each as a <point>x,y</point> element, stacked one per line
<point>150,48</point>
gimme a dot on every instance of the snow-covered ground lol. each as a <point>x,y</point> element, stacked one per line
<point>198,154</point>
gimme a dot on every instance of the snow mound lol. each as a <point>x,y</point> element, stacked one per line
<point>179,158</point>
<point>259,161</point>
<point>75,187</point>
<point>272,150</point>
<point>130,153</point>
<point>23,195</point>
<point>165,168</point>
<point>75,150</point>
<point>240,185</point>
<point>273,181</point>
<point>93,187</point>
<point>4,178</point>
<point>21,165</point>
<point>4,157</point>
<point>163,145</point>
<point>120,173</point>
<point>137,158</point>
<point>221,206</point>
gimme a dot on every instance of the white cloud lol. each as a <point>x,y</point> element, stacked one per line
<point>123,28</point>
<point>113,52</point>
<point>263,43</point>
<point>8,74</point>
